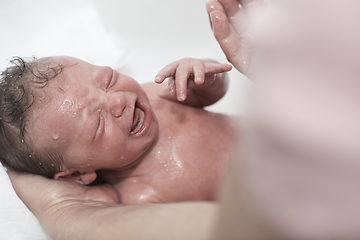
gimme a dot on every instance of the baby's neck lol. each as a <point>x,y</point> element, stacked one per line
<point>114,176</point>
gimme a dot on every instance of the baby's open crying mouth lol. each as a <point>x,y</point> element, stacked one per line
<point>138,120</point>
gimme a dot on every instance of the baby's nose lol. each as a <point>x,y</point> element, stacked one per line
<point>116,102</point>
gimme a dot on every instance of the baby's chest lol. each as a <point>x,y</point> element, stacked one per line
<point>176,120</point>
<point>191,133</point>
<point>187,161</point>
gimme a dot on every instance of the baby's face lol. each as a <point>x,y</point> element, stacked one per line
<point>96,117</point>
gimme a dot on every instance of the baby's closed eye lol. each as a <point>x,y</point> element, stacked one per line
<point>99,123</point>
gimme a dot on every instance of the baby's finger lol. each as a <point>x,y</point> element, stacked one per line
<point>199,73</point>
<point>217,67</point>
<point>166,72</point>
<point>171,83</point>
<point>181,77</point>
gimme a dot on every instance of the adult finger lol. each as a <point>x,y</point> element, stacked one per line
<point>237,50</point>
<point>236,17</point>
<point>212,6</point>
<point>252,6</point>
<point>231,7</point>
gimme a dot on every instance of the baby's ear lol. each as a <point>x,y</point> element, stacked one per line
<point>83,178</point>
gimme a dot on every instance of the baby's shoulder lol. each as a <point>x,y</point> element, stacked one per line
<point>162,101</point>
<point>157,93</point>
<point>151,88</point>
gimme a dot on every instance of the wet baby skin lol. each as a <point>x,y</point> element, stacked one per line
<point>153,143</point>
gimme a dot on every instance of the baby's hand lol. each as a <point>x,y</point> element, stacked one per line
<point>190,73</point>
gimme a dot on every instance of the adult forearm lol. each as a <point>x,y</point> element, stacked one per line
<point>69,211</point>
<point>152,221</point>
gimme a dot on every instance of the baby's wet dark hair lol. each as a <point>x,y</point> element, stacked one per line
<point>18,86</point>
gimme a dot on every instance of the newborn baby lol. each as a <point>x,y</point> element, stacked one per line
<point>70,120</point>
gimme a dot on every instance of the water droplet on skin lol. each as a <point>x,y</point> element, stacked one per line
<point>70,106</point>
<point>178,163</point>
<point>29,156</point>
<point>55,136</point>
<point>52,165</point>
<point>40,163</point>
<point>159,152</point>
<point>86,165</point>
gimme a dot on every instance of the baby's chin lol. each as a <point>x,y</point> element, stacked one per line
<point>136,160</point>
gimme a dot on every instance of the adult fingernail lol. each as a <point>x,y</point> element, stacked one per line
<point>211,20</point>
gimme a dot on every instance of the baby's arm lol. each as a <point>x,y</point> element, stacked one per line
<point>195,82</point>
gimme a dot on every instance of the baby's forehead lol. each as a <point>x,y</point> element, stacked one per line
<point>67,79</point>
<point>57,66</point>
<point>55,74</point>
<point>42,119</point>
<point>55,71</point>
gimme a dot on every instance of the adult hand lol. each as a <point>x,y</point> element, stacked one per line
<point>52,201</point>
<point>230,26</point>
<point>69,210</point>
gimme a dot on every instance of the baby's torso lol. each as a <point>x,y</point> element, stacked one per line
<point>188,159</point>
